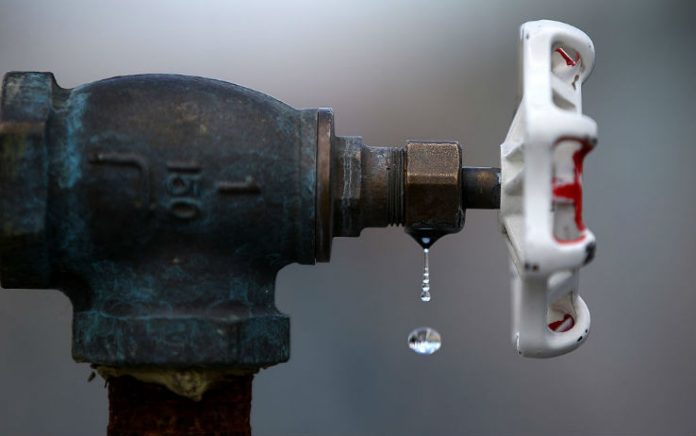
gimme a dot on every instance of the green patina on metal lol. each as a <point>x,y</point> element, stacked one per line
<point>163,206</point>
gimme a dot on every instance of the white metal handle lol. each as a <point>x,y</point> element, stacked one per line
<point>541,196</point>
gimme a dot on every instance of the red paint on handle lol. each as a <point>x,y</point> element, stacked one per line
<point>573,191</point>
<point>563,325</point>
<point>569,61</point>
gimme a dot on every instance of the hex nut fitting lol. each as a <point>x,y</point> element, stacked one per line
<point>432,187</point>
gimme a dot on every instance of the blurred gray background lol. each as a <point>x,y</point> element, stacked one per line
<point>392,71</point>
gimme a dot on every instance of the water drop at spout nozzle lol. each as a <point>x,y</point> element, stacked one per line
<point>425,238</point>
<point>424,340</point>
<point>425,285</point>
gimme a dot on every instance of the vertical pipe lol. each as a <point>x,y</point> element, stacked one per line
<point>137,408</point>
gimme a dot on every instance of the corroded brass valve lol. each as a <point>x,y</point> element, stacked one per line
<point>163,206</point>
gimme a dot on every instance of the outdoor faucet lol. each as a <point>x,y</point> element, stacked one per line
<point>164,206</point>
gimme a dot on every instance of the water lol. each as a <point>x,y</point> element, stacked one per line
<point>424,340</point>
<point>425,286</point>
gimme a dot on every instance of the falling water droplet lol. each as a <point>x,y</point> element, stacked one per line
<point>425,286</point>
<point>424,340</point>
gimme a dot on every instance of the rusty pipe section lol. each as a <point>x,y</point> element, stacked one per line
<point>138,408</point>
